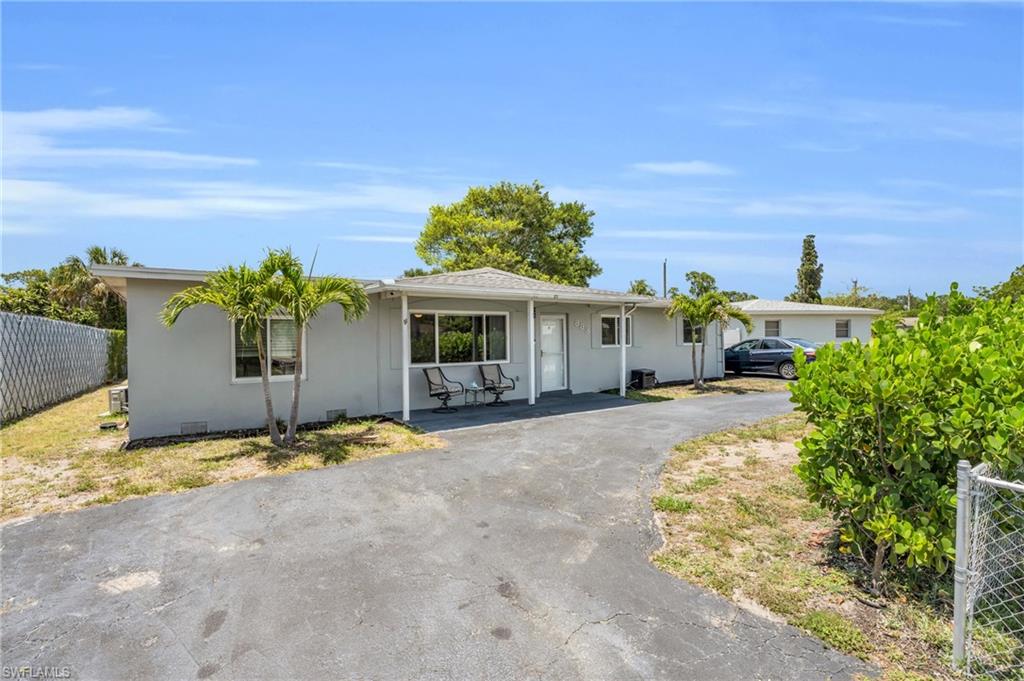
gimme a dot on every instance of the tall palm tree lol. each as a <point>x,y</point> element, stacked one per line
<point>302,297</point>
<point>248,297</point>
<point>701,312</point>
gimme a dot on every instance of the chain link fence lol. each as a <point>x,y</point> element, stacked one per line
<point>988,624</point>
<point>44,361</point>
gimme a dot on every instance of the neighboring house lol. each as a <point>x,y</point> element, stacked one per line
<point>198,375</point>
<point>818,323</point>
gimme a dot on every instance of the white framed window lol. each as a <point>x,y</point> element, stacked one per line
<point>448,338</point>
<point>279,343</point>
<point>842,328</point>
<point>610,331</point>
<point>773,327</point>
<point>691,333</point>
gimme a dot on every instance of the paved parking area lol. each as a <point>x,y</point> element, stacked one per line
<point>521,551</point>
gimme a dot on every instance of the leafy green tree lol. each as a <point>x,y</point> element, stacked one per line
<point>641,288</point>
<point>700,313</point>
<point>418,272</point>
<point>808,275</point>
<point>249,296</point>
<point>513,227</point>
<point>701,283</point>
<point>1011,288</point>
<point>68,291</point>
<point>895,415</point>
<point>737,296</point>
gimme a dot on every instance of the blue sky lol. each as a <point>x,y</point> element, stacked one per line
<point>715,136</point>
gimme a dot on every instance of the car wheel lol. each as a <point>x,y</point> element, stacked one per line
<point>787,370</point>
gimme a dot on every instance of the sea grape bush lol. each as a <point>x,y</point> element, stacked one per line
<point>893,417</point>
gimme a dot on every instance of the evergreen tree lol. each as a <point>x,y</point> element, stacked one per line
<point>808,275</point>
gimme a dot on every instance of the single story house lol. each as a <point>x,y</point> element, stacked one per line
<point>818,323</point>
<point>200,376</point>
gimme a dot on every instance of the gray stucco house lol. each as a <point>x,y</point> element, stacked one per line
<point>199,375</point>
<point>815,322</point>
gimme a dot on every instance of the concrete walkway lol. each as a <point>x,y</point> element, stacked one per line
<point>521,551</point>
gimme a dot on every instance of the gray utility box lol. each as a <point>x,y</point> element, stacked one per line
<point>643,378</point>
<point>117,399</point>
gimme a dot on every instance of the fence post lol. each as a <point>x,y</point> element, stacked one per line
<point>963,519</point>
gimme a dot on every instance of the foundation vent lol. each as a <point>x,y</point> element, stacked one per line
<point>193,427</point>
<point>336,414</point>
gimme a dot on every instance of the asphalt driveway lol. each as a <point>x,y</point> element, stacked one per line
<point>521,551</point>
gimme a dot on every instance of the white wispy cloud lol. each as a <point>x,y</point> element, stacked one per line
<point>197,200</point>
<point>923,22</point>
<point>360,167</point>
<point>707,260</point>
<point>820,148</point>
<point>682,168</point>
<point>689,234</point>
<point>376,238</point>
<point>35,139</point>
<point>24,229</point>
<point>999,192</point>
<point>850,205</point>
<point>725,236</point>
<point>388,224</point>
<point>890,119</point>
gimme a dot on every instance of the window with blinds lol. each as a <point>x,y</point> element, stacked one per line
<point>280,342</point>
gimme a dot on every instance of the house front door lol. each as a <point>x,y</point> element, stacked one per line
<point>552,353</point>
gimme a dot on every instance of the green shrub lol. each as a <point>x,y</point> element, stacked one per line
<point>895,415</point>
<point>117,355</point>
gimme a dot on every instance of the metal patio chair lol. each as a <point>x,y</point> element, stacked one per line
<point>444,389</point>
<point>496,383</point>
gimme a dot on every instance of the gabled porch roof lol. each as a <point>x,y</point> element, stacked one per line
<point>488,282</point>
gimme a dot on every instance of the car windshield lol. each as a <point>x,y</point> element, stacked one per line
<point>802,342</point>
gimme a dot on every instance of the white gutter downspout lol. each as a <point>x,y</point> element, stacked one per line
<point>532,363</point>
<point>622,350</point>
<point>405,357</point>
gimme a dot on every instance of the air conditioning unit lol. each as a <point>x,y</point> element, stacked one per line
<point>643,378</point>
<point>117,399</point>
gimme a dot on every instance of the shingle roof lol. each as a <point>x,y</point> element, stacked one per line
<point>499,280</point>
<point>762,305</point>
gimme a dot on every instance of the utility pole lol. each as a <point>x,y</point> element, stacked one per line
<point>908,299</point>
<point>664,278</point>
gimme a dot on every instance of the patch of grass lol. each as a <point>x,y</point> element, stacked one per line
<point>702,482</point>
<point>730,385</point>
<point>836,631</point>
<point>751,534</point>
<point>59,459</point>
<point>671,504</point>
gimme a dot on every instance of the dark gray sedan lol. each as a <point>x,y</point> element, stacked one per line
<point>772,354</point>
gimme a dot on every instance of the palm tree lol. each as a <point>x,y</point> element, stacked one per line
<point>302,297</point>
<point>74,286</point>
<point>248,296</point>
<point>701,312</point>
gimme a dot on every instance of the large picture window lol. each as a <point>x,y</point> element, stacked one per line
<point>610,331</point>
<point>279,342</point>
<point>458,338</point>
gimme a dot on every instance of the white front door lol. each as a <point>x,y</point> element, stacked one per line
<point>552,353</point>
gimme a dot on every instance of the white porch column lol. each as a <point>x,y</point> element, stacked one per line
<point>622,349</point>
<point>405,357</point>
<point>532,345</point>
